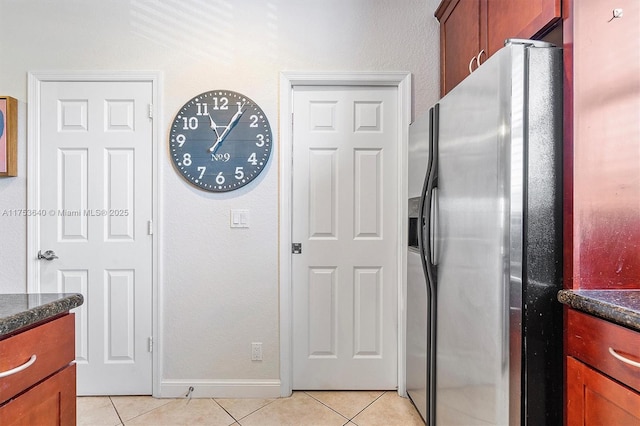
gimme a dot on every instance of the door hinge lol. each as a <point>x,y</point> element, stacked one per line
<point>150,110</point>
<point>150,344</point>
<point>296,248</point>
<point>150,227</point>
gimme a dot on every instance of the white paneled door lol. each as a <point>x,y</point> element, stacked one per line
<point>95,192</point>
<point>345,216</point>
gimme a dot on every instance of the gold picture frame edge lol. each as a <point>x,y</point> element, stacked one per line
<point>11,129</point>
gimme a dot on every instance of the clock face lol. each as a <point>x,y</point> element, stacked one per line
<point>220,140</point>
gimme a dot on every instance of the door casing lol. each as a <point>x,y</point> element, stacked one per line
<point>288,80</point>
<point>33,169</point>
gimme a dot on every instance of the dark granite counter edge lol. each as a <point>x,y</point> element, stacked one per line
<point>12,323</point>
<point>601,308</point>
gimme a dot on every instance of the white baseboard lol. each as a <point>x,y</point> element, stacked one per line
<point>220,388</point>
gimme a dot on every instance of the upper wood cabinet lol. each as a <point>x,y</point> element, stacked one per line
<point>473,30</point>
<point>519,19</point>
<point>461,39</point>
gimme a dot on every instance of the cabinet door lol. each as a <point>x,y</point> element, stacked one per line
<point>49,403</point>
<point>594,399</point>
<point>461,40</point>
<point>519,19</point>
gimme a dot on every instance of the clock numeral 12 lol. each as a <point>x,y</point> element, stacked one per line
<point>221,104</point>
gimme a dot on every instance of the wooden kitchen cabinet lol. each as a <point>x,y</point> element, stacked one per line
<point>44,391</point>
<point>50,402</point>
<point>473,30</point>
<point>519,19</point>
<point>462,37</point>
<point>596,400</point>
<point>604,100</point>
<point>602,388</point>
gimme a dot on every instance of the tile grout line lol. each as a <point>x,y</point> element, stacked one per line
<point>330,408</point>
<point>245,416</point>
<point>339,413</point>
<point>116,410</point>
<point>225,410</point>
<point>122,422</point>
<point>368,405</point>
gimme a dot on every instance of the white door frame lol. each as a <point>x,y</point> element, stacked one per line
<point>33,176</point>
<point>401,80</point>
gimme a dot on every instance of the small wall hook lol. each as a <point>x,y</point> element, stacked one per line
<point>617,13</point>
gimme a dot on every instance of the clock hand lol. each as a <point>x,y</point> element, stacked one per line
<point>214,126</point>
<point>215,145</point>
<point>232,123</point>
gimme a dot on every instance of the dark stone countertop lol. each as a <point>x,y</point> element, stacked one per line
<point>621,307</point>
<point>22,310</point>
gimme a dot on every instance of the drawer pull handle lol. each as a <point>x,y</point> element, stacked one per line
<point>623,359</point>
<point>475,58</point>
<point>20,368</point>
<point>480,56</point>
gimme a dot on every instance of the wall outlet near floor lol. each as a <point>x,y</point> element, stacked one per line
<point>256,351</point>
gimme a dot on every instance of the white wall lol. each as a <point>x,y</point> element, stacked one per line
<point>218,285</point>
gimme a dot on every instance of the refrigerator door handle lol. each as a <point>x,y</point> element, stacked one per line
<point>433,238</point>
<point>428,205</point>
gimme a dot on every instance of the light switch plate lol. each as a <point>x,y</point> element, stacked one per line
<point>239,218</point>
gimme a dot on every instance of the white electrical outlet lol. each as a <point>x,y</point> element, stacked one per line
<point>256,351</point>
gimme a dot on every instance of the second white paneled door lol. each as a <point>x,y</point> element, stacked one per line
<point>95,185</point>
<point>345,216</point>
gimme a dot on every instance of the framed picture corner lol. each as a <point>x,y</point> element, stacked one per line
<point>8,136</point>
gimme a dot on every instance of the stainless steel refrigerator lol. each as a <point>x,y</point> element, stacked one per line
<point>490,238</point>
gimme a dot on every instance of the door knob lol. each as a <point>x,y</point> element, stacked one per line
<point>47,255</point>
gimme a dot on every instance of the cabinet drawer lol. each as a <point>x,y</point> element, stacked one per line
<point>592,340</point>
<point>593,399</point>
<point>52,402</point>
<point>52,343</point>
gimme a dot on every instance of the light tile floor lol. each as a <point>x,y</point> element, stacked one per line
<point>317,408</point>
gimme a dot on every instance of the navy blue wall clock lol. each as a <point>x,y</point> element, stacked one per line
<point>220,140</point>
